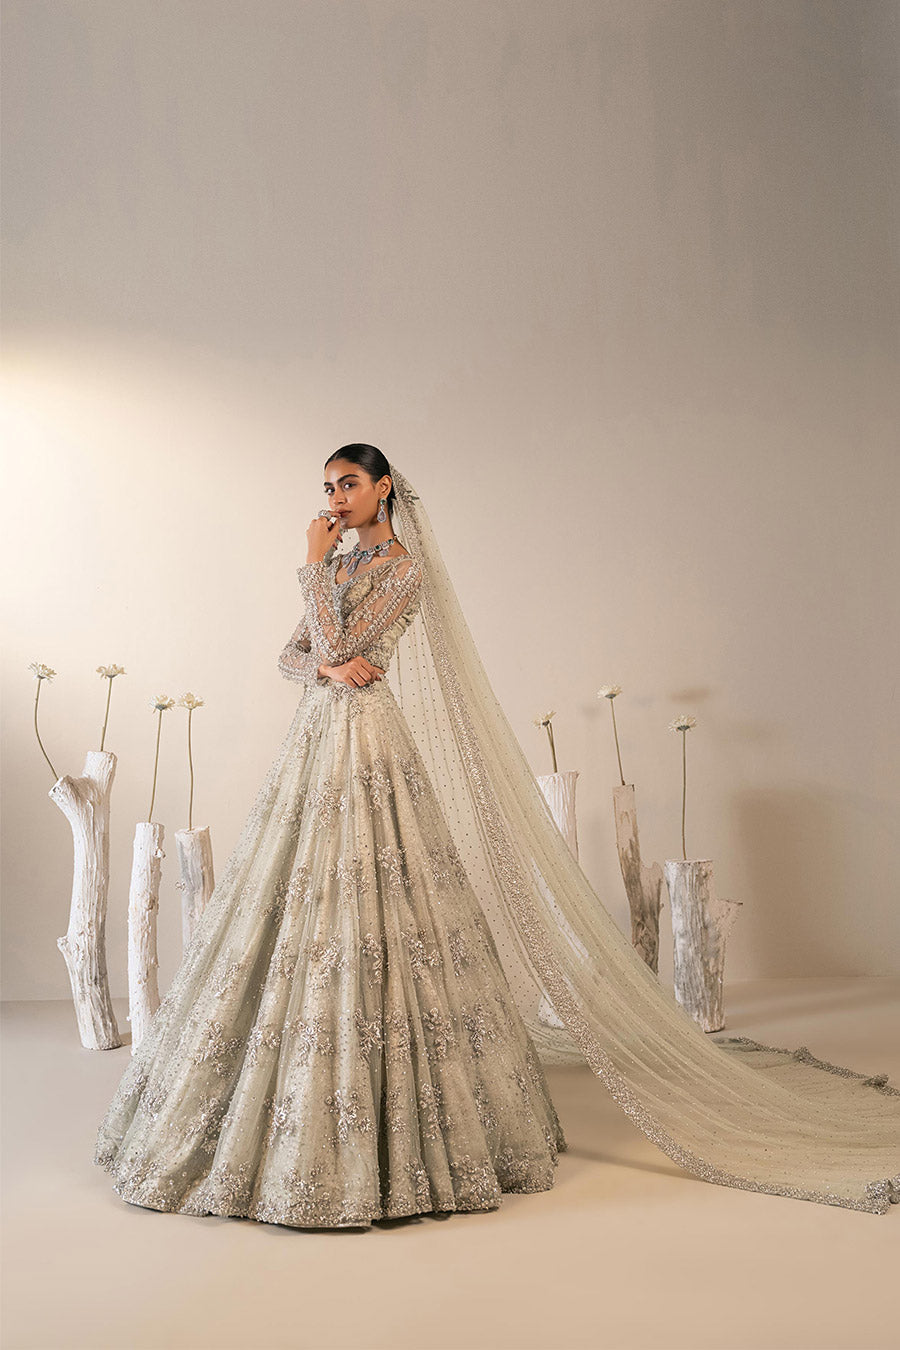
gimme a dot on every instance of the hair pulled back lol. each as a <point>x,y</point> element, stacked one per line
<point>370,458</point>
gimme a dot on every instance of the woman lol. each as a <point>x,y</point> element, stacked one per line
<point>340,1044</point>
<point>354,1031</point>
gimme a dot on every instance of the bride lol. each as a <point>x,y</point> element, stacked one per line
<point>402,939</point>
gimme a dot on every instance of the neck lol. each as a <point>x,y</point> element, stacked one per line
<point>374,533</point>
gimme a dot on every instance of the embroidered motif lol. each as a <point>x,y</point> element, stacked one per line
<point>217,1050</point>
<point>371,1033</point>
<point>310,1037</point>
<point>345,1105</point>
<point>479,1028</point>
<point>375,949</point>
<point>459,950</point>
<point>325,958</point>
<point>442,1033</point>
<point>420,958</point>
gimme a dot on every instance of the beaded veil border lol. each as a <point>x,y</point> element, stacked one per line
<point>729,1109</point>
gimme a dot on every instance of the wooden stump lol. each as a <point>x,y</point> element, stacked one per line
<point>559,790</point>
<point>700,925</point>
<point>143,906</point>
<point>643,885</point>
<point>85,802</point>
<point>197,882</point>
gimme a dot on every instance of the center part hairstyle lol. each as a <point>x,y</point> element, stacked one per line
<point>729,1110</point>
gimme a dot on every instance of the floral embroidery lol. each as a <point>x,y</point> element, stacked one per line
<point>391,860</point>
<point>345,1105</point>
<point>375,949</point>
<point>459,951</point>
<point>261,1036</point>
<point>479,1028</point>
<point>371,1033</point>
<point>227,978</point>
<point>326,802</point>
<point>217,1050</point>
<point>420,958</point>
<point>442,1032</point>
<point>275,909</point>
<point>310,1037</point>
<point>325,958</point>
<point>415,776</point>
<point>377,781</point>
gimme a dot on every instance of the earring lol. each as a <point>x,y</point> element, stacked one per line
<point>382,514</point>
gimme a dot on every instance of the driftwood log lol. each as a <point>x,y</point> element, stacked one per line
<point>196,882</point>
<point>85,803</point>
<point>700,925</point>
<point>559,791</point>
<point>643,884</point>
<point>143,907</point>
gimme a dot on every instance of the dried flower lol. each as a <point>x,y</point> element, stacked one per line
<point>160,704</point>
<point>609,691</point>
<point>41,672</point>
<point>108,673</point>
<point>543,719</point>
<point>683,723</point>
<point>190,701</point>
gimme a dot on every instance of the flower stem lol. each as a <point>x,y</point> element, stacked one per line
<point>612,709</point>
<point>191,764</point>
<point>683,789</point>
<point>106,714</point>
<point>155,764</point>
<point>37,694</point>
<point>552,744</point>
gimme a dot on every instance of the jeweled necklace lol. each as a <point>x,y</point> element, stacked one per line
<point>357,556</point>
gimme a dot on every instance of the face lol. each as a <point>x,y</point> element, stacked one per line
<point>351,494</point>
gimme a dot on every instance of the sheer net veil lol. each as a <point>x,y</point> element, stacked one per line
<point>729,1110</point>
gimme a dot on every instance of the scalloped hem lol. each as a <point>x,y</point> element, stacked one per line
<point>264,1211</point>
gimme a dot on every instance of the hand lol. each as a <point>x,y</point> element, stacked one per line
<point>357,672</point>
<point>322,533</point>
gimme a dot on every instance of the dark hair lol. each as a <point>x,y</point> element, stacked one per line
<point>370,458</point>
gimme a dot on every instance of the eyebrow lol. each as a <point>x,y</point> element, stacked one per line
<point>341,479</point>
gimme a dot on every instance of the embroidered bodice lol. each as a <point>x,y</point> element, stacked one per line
<point>363,615</point>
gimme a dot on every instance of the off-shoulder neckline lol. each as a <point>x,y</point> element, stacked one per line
<point>337,559</point>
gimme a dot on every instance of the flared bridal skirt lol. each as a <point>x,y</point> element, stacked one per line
<point>340,1043</point>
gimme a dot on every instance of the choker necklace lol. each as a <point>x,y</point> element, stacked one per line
<point>357,556</point>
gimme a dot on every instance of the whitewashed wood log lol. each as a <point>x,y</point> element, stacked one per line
<point>143,907</point>
<point>197,882</point>
<point>85,803</point>
<point>643,884</point>
<point>700,925</point>
<point>559,791</point>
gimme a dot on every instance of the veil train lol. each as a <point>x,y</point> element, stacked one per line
<point>728,1109</point>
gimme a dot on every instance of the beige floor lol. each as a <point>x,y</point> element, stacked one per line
<point>625,1251</point>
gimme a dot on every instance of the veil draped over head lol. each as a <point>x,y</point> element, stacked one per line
<point>731,1111</point>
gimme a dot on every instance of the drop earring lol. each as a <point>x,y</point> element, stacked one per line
<point>382,514</point>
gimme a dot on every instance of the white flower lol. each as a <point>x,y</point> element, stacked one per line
<point>543,719</point>
<point>682,723</point>
<point>609,691</point>
<point>41,671</point>
<point>190,701</point>
<point>162,702</point>
<point>109,672</point>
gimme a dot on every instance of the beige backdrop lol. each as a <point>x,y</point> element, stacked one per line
<point>614,282</point>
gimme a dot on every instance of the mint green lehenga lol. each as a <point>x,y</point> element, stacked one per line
<point>340,1043</point>
<point>399,943</point>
